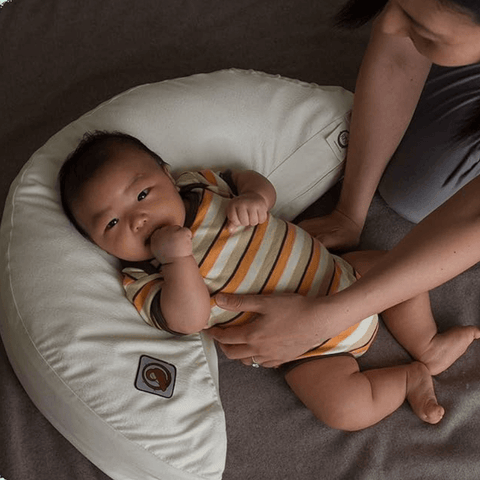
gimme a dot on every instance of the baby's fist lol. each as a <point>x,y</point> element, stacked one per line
<point>170,242</point>
<point>246,210</point>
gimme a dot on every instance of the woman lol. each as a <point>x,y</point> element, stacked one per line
<point>408,36</point>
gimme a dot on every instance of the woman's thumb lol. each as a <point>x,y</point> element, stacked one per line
<point>236,303</point>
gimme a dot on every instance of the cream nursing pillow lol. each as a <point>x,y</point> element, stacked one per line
<point>139,403</point>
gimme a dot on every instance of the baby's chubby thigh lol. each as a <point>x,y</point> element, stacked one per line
<point>328,387</point>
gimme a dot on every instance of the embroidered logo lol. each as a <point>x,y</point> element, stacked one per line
<point>343,138</point>
<point>155,376</point>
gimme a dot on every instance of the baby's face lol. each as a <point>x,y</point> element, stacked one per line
<point>130,197</point>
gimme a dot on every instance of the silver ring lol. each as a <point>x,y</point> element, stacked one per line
<point>254,363</point>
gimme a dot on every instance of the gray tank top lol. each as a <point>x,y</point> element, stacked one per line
<point>429,166</point>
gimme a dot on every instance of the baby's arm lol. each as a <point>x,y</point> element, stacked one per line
<point>256,197</point>
<point>184,299</point>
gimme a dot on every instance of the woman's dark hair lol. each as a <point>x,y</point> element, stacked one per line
<point>467,7</point>
<point>356,13</point>
<point>94,151</point>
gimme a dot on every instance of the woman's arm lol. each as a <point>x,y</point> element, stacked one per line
<point>388,87</point>
<point>442,246</point>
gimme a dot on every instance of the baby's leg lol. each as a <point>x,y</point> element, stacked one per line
<point>341,396</point>
<point>414,327</point>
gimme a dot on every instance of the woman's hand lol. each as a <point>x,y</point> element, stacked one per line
<point>284,329</point>
<point>336,231</point>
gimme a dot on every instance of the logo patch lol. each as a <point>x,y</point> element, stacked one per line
<point>155,376</point>
<point>338,140</point>
<point>343,138</point>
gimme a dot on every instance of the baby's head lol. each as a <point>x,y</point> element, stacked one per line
<point>117,192</point>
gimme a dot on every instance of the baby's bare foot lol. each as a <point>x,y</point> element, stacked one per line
<point>446,348</point>
<point>421,395</point>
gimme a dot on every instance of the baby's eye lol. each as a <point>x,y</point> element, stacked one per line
<point>142,195</point>
<point>112,223</point>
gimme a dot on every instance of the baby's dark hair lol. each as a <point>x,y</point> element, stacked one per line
<point>94,151</point>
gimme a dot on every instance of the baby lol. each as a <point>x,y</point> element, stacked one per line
<point>187,239</point>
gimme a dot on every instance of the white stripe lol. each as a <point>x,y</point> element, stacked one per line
<point>219,315</point>
<point>320,272</point>
<point>206,225</point>
<point>299,244</point>
<point>362,329</point>
<point>259,258</point>
<point>229,247</point>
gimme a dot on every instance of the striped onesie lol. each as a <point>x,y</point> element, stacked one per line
<point>274,257</point>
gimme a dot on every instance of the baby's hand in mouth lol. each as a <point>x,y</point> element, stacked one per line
<point>170,242</point>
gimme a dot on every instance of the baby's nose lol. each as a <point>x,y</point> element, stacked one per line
<point>139,222</point>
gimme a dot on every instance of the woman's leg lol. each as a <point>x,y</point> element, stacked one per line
<point>341,396</point>
<point>413,326</point>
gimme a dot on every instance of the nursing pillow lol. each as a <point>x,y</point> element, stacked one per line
<point>140,403</point>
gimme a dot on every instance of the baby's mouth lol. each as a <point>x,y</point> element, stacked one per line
<point>148,238</point>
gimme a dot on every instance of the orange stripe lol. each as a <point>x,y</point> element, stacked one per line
<point>312,266</point>
<point>141,296</point>
<point>313,353</point>
<point>333,342</point>
<point>202,210</point>
<point>337,274</point>
<point>361,350</point>
<point>245,264</point>
<point>209,260</point>
<point>282,260</point>
<point>127,280</point>
<point>243,317</point>
<point>209,176</point>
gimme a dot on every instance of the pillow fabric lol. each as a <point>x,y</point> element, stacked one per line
<point>139,403</point>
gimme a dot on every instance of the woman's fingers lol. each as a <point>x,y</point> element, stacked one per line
<point>241,303</point>
<point>335,231</point>
<point>278,334</point>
